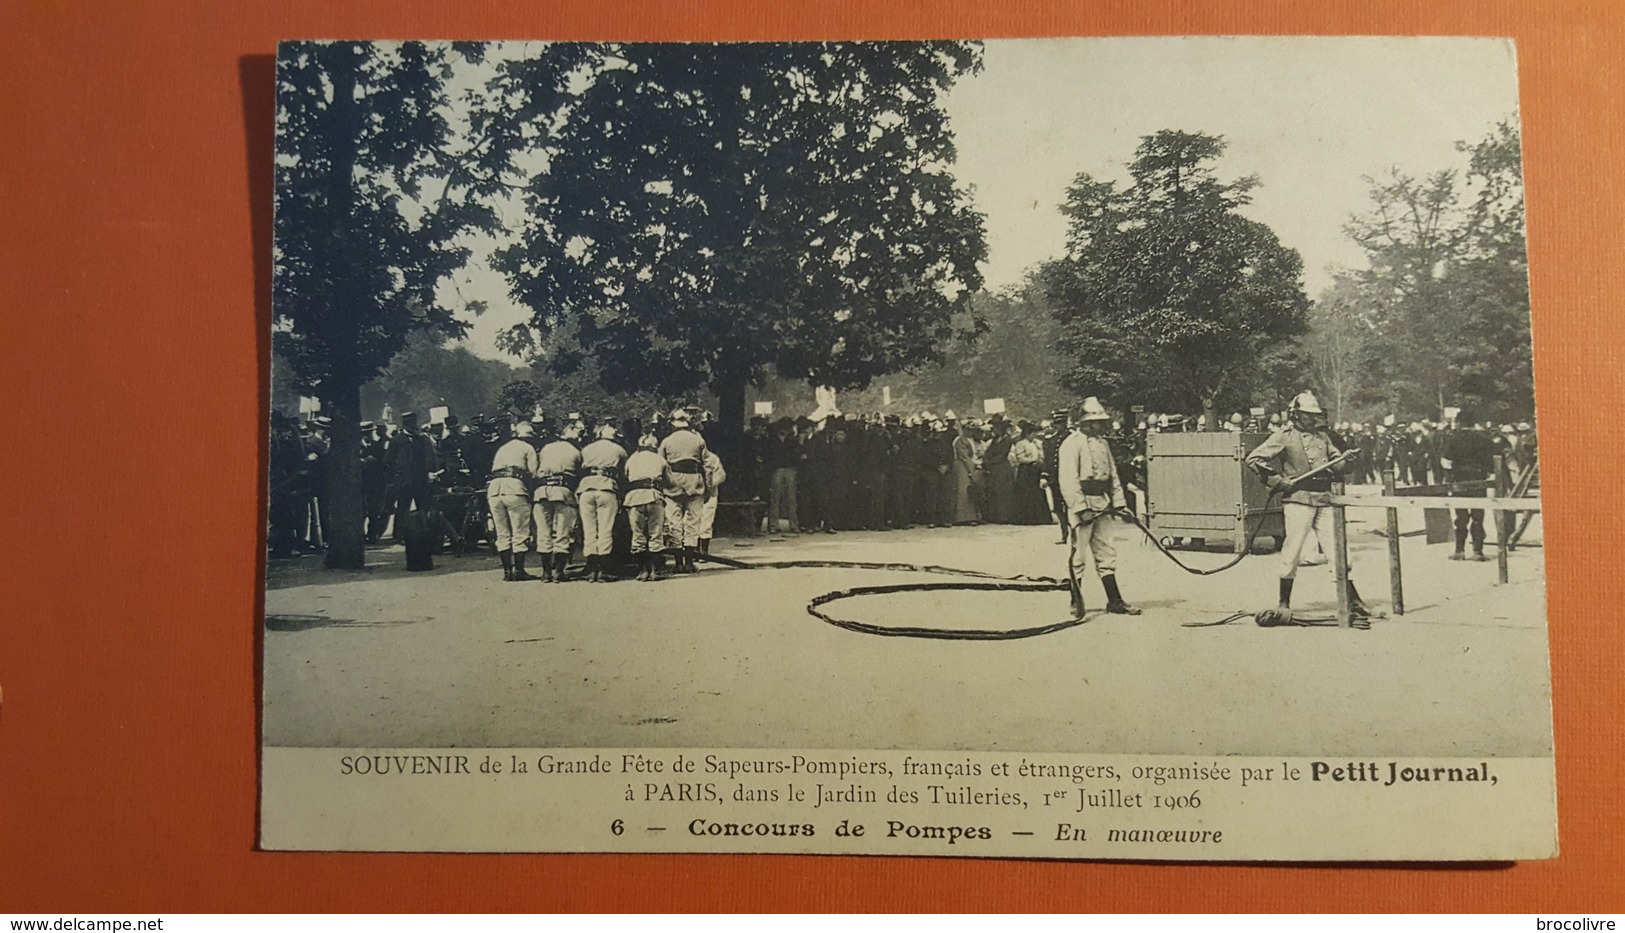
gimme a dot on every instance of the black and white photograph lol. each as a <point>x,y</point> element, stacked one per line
<point>1044,433</point>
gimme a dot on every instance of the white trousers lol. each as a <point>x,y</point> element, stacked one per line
<point>708,515</point>
<point>1091,535</point>
<point>682,521</point>
<point>1303,521</point>
<point>555,519</point>
<point>597,508</point>
<point>648,526</point>
<point>511,516</point>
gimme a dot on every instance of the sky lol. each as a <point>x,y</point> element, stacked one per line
<point>1309,116</point>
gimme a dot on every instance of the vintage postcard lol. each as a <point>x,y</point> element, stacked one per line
<point>1062,448</point>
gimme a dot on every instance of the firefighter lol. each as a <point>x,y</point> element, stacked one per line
<point>1282,462</point>
<point>684,450</point>
<point>1091,489</point>
<point>597,498</point>
<point>558,467</point>
<point>513,469</point>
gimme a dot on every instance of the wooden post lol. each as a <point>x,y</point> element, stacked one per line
<point>1396,583</point>
<point>1521,519</point>
<point>1501,519</point>
<point>1340,560</point>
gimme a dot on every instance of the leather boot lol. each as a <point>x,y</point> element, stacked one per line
<point>1114,597</point>
<point>560,561</point>
<point>705,546</point>
<point>1357,606</point>
<point>507,565</point>
<point>519,566</point>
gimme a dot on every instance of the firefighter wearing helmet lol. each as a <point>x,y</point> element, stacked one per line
<point>1091,490</point>
<point>1294,464</point>
<point>684,449</point>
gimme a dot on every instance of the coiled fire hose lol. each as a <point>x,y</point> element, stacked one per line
<point>1016,583</point>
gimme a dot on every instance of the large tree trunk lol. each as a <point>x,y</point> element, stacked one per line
<point>346,508</point>
<point>341,389</point>
<point>730,433</point>
<point>1210,412</point>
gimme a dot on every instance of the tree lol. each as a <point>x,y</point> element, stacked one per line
<point>1493,356</point>
<point>360,127</point>
<point>1168,296</point>
<point>1339,331</point>
<point>707,212</point>
<point>1446,290</point>
<point>427,372</point>
<point>1411,235</point>
<point>1003,347</point>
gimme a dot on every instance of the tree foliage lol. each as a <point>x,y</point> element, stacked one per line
<point>709,211</point>
<point>360,128</point>
<point>1444,299</point>
<point>1004,347</point>
<point>1167,295</point>
<point>427,372</point>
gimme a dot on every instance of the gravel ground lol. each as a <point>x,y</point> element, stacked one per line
<point>731,658</point>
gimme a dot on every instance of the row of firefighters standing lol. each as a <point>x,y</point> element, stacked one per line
<point>1299,463</point>
<point>542,485</point>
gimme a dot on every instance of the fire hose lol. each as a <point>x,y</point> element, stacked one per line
<point>1015,583</point>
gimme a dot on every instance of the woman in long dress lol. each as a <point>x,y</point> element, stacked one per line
<point>963,473</point>
<point>998,475</point>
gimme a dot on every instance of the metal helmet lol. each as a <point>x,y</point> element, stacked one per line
<point>1092,410</point>
<point>1307,403</point>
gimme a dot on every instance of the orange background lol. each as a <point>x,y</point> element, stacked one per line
<point>134,245</point>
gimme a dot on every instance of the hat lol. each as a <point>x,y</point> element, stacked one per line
<point>1307,403</point>
<point>949,415</point>
<point>679,416</point>
<point>522,428</point>
<point>1506,429</point>
<point>409,417</point>
<point>1236,418</point>
<point>648,442</point>
<point>1092,410</point>
<point>367,425</point>
<point>322,421</point>
<point>1525,426</point>
<point>606,432</point>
